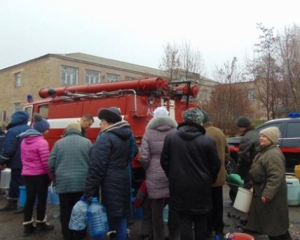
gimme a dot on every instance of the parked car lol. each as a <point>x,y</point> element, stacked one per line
<point>289,142</point>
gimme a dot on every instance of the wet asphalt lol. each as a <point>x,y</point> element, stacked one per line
<point>11,224</point>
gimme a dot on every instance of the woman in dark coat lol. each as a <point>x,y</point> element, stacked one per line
<point>269,209</point>
<point>109,157</point>
<point>190,161</point>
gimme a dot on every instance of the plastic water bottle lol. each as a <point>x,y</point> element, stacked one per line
<point>97,219</point>
<point>79,215</point>
<point>166,213</point>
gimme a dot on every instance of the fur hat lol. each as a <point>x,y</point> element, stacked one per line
<point>272,133</point>
<point>193,115</point>
<point>40,124</point>
<point>73,125</point>
<point>111,115</point>
<point>243,122</point>
<point>160,112</point>
<point>206,116</point>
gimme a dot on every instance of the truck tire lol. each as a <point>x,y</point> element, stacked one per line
<point>230,165</point>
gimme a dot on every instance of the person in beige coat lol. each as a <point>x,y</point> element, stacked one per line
<point>215,218</point>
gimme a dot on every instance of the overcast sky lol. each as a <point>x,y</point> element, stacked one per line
<point>136,31</point>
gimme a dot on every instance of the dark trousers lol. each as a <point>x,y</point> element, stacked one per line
<point>157,220</point>
<point>285,236</point>
<point>36,186</point>
<point>215,218</point>
<point>15,182</point>
<point>186,224</point>
<point>67,201</point>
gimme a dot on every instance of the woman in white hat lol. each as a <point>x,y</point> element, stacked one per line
<point>269,210</point>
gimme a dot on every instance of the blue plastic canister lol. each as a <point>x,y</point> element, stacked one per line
<point>293,190</point>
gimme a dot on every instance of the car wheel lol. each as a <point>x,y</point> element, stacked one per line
<point>230,165</point>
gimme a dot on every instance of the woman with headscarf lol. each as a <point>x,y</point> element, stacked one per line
<point>156,180</point>
<point>269,209</point>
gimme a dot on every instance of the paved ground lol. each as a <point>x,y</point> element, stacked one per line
<point>11,224</point>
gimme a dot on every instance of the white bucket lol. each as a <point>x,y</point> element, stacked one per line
<point>243,200</point>
<point>5,178</point>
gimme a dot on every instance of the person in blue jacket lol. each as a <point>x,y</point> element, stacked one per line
<point>11,156</point>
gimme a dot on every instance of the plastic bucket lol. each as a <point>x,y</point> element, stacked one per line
<point>5,178</point>
<point>293,190</point>
<point>243,200</point>
<point>239,236</point>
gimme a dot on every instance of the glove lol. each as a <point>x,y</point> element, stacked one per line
<point>248,185</point>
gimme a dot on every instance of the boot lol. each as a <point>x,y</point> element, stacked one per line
<point>43,226</point>
<point>29,228</point>
<point>19,211</point>
<point>11,206</point>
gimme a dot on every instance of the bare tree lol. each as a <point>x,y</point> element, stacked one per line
<point>182,62</point>
<point>289,45</point>
<point>171,61</point>
<point>229,99</point>
<point>265,71</point>
<point>192,62</point>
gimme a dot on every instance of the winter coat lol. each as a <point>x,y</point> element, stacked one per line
<point>34,153</point>
<point>110,157</point>
<point>222,147</point>
<point>69,162</point>
<point>152,143</point>
<point>268,177</point>
<point>11,150</point>
<point>248,148</point>
<point>190,160</point>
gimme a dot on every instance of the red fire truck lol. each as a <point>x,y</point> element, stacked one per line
<point>136,100</point>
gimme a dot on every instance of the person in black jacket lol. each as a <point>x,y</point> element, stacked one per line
<point>249,147</point>
<point>109,159</point>
<point>190,161</point>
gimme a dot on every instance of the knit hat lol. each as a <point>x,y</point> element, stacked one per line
<point>73,125</point>
<point>206,116</point>
<point>193,115</point>
<point>111,115</point>
<point>40,124</point>
<point>243,122</point>
<point>272,133</point>
<point>160,112</point>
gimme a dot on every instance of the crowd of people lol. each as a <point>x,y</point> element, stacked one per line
<point>184,167</point>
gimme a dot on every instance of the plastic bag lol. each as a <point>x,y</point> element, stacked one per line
<point>52,197</point>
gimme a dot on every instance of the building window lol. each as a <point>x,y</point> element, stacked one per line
<point>251,94</point>
<point>204,95</point>
<point>92,77</point>
<point>127,78</point>
<point>69,75</point>
<point>18,79</point>
<point>3,116</point>
<point>112,77</point>
<point>17,106</point>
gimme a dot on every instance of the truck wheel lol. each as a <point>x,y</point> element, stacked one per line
<point>230,165</point>
<point>232,195</point>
